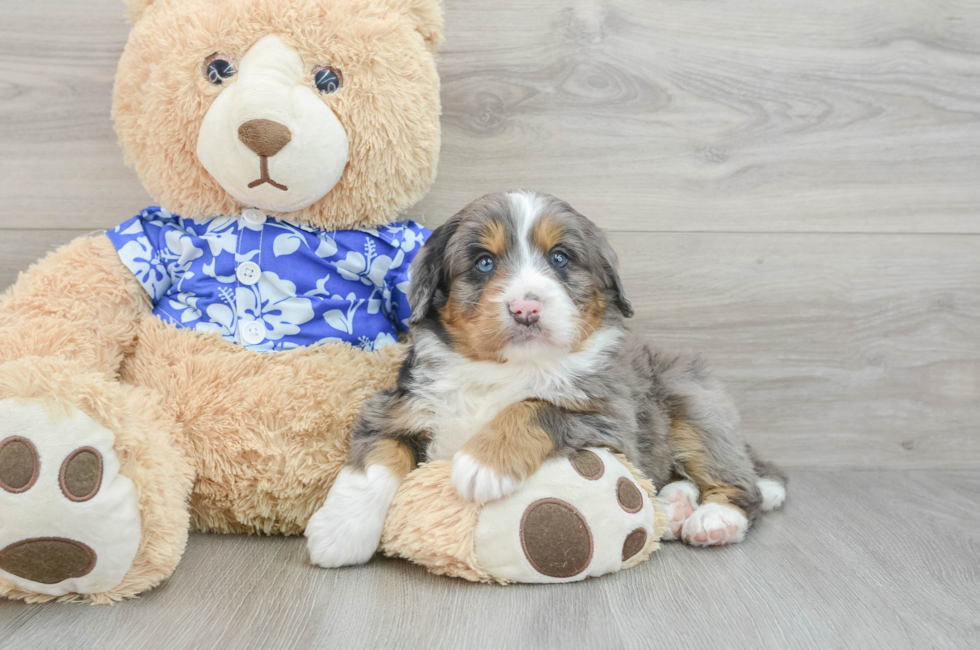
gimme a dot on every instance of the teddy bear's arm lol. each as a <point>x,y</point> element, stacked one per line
<point>79,304</point>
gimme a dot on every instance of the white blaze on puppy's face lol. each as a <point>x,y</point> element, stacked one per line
<point>531,278</point>
<point>269,139</point>
<point>517,277</point>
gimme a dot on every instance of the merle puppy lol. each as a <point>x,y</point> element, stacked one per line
<point>520,351</point>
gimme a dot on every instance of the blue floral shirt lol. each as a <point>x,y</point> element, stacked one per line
<point>270,284</point>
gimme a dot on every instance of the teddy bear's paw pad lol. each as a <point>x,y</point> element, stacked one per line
<point>71,521</point>
<point>680,500</point>
<point>574,518</point>
<point>714,524</point>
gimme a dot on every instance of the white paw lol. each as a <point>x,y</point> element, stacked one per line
<point>69,522</point>
<point>346,530</point>
<point>680,500</point>
<point>773,493</point>
<point>476,482</point>
<point>713,525</point>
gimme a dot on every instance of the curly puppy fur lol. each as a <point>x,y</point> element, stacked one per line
<point>499,392</point>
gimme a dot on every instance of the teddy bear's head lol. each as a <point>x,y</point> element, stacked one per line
<point>326,111</point>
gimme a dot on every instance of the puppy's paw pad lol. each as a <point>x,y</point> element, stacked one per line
<point>477,482</point>
<point>714,524</point>
<point>680,500</point>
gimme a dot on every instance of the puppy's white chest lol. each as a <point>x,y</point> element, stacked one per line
<point>457,413</point>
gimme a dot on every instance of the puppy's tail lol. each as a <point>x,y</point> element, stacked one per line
<point>772,481</point>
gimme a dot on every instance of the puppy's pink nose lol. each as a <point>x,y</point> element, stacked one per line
<point>526,311</point>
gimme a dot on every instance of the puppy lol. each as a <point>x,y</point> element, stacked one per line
<point>520,351</point>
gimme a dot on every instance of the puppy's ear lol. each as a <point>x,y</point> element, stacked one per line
<point>429,288</point>
<point>610,270</point>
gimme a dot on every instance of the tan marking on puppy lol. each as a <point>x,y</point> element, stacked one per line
<point>513,443</point>
<point>689,449</point>
<point>391,454</point>
<point>589,318</point>
<point>547,232</point>
<point>476,330</point>
<point>494,237</point>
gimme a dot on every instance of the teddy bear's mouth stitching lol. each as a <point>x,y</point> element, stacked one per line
<point>264,176</point>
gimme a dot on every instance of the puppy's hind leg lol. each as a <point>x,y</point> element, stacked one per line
<point>730,498</point>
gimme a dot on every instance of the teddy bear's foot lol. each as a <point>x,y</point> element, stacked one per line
<point>576,517</point>
<point>714,524</point>
<point>70,521</point>
<point>680,500</point>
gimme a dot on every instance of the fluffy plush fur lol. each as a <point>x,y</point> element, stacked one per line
<point>215,436</point>
<point>389,106</point>
<point>521,352</point>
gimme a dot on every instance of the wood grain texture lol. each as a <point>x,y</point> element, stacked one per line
<point>855,560</point>
<point>739,116</point>
<point>841,350</point>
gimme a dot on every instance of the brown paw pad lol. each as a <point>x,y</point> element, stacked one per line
<point>635,542</point>
<point>588,465</point>
<point>19,464</point>
<point>47,560</point>
<point>629,496</point>
<point>81,474</point>
<point>556,539</point>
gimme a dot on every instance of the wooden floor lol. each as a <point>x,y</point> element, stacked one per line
<point>793,188</point>
<point>858,559</point>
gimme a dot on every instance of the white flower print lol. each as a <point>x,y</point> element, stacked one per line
<point>186,304</point>
<point>315,287</point>
<point>273,301</point>
<point>340,320</point>
<point>140,258</point>
<point>370,268</point>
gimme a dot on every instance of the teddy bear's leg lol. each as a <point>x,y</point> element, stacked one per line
<point>92,487</point>
<point>92,479</point>
<point>576,517</point>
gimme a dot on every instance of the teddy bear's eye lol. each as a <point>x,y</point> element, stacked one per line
<point>327,80</point>
<point>218,68</point>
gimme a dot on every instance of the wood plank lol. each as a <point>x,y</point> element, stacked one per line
<point>659,116</point>
<point>841,350</point>
<point>854,560</point>
<point>21,248</point>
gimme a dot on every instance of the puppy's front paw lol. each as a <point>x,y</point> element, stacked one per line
<point>347,528</point>
<point>477,482</point>
<point>714,524</point>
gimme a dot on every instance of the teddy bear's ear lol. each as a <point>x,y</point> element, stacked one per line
<point>426,14</point>
<point>136,8</point>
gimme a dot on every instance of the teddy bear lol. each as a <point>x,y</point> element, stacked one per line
<point>200,365</point>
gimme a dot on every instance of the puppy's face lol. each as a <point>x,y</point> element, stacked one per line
<point>517,275</point>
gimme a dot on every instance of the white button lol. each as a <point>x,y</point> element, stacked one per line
<point>253,216</point>
<point>253,332</point>
<point>248,273</point>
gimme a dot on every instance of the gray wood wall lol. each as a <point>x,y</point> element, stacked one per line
<point>793,186</point>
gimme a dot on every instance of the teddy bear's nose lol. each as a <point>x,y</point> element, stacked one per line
<point>264,137</point>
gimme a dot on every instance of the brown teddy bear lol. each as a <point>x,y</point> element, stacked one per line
<point>201,364</point>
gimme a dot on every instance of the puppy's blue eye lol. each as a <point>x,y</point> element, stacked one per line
<point>219,68</point>
<point>484,264</point>
<point>327,80</point>
<point>559,260</point>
